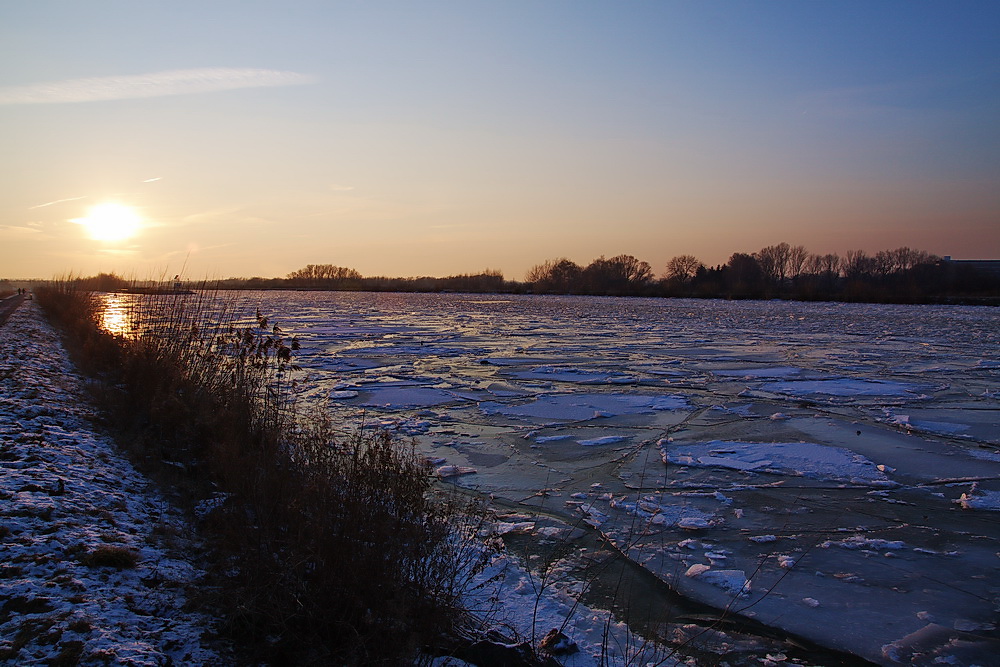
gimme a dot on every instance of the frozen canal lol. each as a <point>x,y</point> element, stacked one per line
<point>832,470</point>
<point>828,469</point>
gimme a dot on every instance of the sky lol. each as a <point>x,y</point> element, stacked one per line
<point>222,139</point>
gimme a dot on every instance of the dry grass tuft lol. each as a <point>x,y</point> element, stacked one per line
<point>118,557</point>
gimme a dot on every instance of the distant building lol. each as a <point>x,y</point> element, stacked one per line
<point>990,267</point>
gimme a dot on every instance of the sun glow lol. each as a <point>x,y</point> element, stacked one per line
<point>111,222</point>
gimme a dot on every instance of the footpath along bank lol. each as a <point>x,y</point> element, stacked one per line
<point>95,566</point>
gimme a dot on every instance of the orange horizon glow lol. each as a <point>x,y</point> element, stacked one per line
<point>413,142</point>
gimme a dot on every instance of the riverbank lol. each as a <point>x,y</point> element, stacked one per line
<point>97,567</point>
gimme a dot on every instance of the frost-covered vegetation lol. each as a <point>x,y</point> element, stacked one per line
<point>325,547</point>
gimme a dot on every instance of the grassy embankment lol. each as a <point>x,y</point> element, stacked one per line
<point>324,548</point>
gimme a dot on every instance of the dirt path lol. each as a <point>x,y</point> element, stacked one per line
<point>9,305</point>
<point>96,567</point>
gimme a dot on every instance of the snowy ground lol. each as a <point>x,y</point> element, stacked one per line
<point>69,503</point>
<point>829,470</point>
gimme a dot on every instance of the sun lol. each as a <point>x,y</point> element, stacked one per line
<point>111,222</point>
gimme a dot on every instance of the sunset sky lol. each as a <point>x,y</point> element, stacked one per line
<point>434,138</point>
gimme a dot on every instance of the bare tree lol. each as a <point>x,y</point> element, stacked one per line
<point>635,271</point>
<point>323,273</point>
<point>905,259</point>
<point>555,275</point>
<point>823,264</point>
<point>796,260</point>
<point>773,261</point>
<point>621,274</point>
<point>858,264</point>
<point>883,263</point>
<point>888,262</point>
<point>682,268</point>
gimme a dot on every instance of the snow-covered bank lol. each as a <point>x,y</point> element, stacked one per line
<point>94,563</point>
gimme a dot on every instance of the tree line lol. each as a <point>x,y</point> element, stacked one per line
<point>780,271</point>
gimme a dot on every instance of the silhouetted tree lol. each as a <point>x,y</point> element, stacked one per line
<point>818,278</point>
<point>489,280</point>
<point>744,277</point>
<point>559,276</point>
<point>883,263</point>
<point>102,282</point>
<point>708,282</point>
<point>773,262</point>
<point>324,275</point>
<point>858,268</point>
<point>682,268</point>
<point>621,274</point>
<point>858,265</point>
<point>796,260</point>
<point>823,264</point>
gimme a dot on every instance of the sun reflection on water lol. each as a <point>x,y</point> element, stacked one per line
<point>115,316</point>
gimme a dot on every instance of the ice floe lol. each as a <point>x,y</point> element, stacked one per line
<point>395,398</point>
<point>806,459</point>
<point>843,387</point>
<point>582,407</point>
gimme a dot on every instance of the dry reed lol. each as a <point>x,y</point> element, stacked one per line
<point>325,549</point>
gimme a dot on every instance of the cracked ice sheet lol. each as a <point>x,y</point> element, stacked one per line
<point>574,375</point>
<point>885,543</point>
<point>751,373</point>
<point>980,424</point>
<point>862,589</point>
<point>801,459</point>
<point>860,359</point>
<point>582,407</point>
<point>845,387</point>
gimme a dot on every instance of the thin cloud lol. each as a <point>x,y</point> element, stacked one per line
<point>155,84</point>
<point>30,231</point>
<point>57,201</point>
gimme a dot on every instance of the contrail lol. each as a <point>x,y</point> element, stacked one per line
<point>57,201</point>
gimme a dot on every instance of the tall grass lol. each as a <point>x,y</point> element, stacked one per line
<point>327,549</point>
